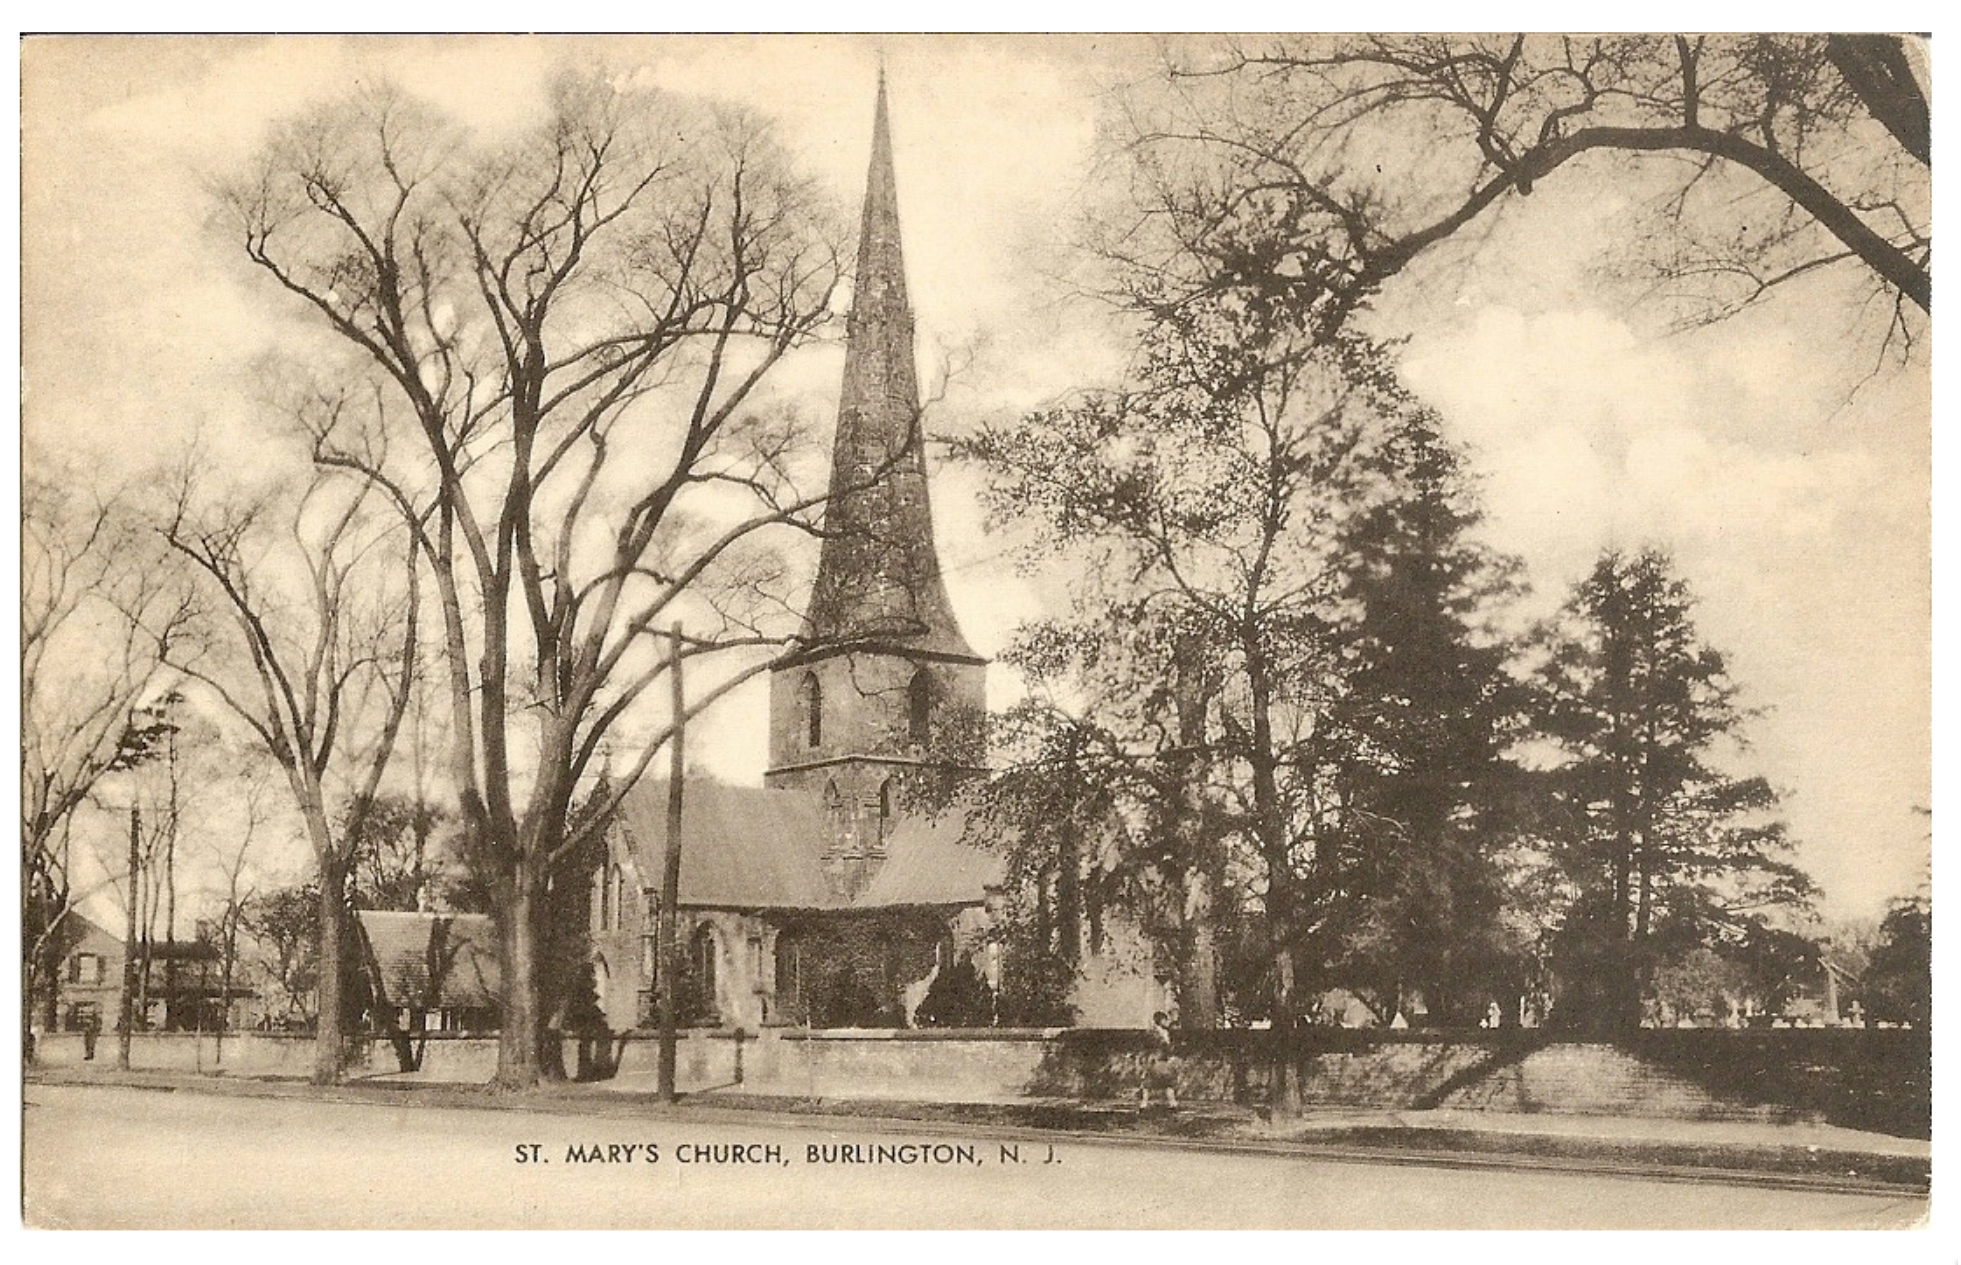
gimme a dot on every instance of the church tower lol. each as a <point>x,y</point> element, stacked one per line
<point>883,683</point>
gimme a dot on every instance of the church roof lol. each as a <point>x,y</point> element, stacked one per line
<point>928,863</point>
<point>742,847</point>
<point>746,847</point>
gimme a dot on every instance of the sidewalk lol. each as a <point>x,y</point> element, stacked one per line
<point>1811,1155</point>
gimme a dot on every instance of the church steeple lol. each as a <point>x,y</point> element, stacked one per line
<point>884,683</point>
<point>878,573</point>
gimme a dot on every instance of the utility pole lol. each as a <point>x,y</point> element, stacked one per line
<point>670,884</point>
<point>126,1011</point>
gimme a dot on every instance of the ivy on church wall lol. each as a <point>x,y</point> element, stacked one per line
<point>853,971</point>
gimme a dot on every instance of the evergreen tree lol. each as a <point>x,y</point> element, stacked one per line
<point>1665,851</point>
<point>1417,739</point>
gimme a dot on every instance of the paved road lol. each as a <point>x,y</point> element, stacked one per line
<point>105,1157</point>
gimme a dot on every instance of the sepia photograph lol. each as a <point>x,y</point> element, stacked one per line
<point>955,632</point>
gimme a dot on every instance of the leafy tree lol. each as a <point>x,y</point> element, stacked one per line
<point>1666,851</point>
<point>1323,166</point>
<point>1085,814</point>
<point>284,927</point>
<point>1899,982</point>
<point>1701,982</point>
<point>957,998</point>
<point>398,857</point>
<point>1206,504</point>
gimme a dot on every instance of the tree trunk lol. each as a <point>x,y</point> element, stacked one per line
<point>224,1001</point>
<point>126,1004</point>
<point>1198,983</point>
<point>1623,999</point>
<point>522,1032</point>
<point>1285,1095</point>
<point>1198,976</point>
<point>667,977</point>
<point>1272,827</point>
<point>329,1032</point>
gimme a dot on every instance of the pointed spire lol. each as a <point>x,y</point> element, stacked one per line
<point>878,574</point>
<point>880,286</point>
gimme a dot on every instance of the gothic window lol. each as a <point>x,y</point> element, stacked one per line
<point>704,957</point>
<point>618,901</point>
<point>810,706</point>
<point>919,707</point>
<point>789,977</point>
<point>885,800</point>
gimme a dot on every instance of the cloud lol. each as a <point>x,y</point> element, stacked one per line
<point>1592,433</point>
<point>1799,520</point>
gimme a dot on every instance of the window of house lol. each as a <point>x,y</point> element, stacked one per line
<point>85,968</point>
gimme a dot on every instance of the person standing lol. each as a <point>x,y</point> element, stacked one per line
<point>1160,1065</point>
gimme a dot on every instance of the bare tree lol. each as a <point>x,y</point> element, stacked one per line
<point>99,612</point>
<point>321,593</point>
<point>1332,163</point>
<point>237,891</point>
<point>558,350</point>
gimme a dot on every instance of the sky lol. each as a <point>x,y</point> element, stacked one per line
<point>1792,483</point>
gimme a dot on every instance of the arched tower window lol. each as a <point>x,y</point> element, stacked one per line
<point>810,706</point>
<point>919,707</point>
<point>885,800</point>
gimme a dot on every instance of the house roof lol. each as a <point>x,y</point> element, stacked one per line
<point>93,925</point>
<point>459,951</point>
<point>746,847</point>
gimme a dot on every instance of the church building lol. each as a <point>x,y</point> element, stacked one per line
<point>819,898</point>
